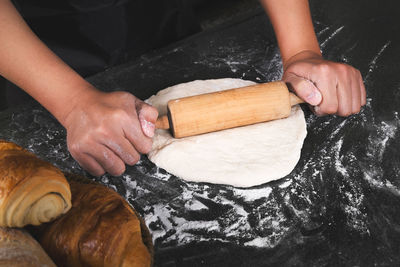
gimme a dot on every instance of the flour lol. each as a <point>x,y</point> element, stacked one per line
<point>253,194</point>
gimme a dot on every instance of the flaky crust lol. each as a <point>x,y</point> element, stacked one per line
<point>32,191</point>
<point>101,229</point>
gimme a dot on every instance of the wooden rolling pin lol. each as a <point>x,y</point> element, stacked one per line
<point>228,109</point>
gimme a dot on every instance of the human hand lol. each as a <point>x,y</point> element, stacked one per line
<point>330,87</point>
<point>105,131</point>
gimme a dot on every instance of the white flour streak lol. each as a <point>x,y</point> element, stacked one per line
<point>331,36</point>
<point>385,132</point>
<point>278,231</point>
<point>387,185</point>
<point>253,194</point>
<point>261,242</point>
<point>195,205</point>
<point>338,163</point>
<point>130,185</point>
<point>389,132</point>
<point>286,184</point>
<point>372,65</point>
<point>323,30</point>
<point>162,176</point>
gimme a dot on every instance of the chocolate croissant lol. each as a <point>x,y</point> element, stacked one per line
<point>101,229</point>
<point>19,248</point>
<point>32,191</point>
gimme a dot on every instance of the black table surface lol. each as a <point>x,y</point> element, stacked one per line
<point>338,207</point>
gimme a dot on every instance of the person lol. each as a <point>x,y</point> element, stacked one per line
<point>105,131</point>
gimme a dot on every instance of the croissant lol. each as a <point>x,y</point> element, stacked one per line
<point>32,191</point>
<point>18,248</point>
<point>101,229</point>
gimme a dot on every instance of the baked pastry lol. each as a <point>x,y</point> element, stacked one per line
<point>101,229</point>
<point>32,191</point>
<point>19,249</point>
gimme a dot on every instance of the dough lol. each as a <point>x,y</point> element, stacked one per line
<point>242,157</point>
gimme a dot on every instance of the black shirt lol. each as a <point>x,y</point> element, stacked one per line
<point>91,35</point>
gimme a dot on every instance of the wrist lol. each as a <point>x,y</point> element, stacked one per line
<point>302,55</point>
<point>82,97</point>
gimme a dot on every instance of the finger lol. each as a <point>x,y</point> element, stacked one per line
<point>304,88</point>
<point>133,132</point>
<point>355,95</point>
<point>147,117</point>
<point>110,162</point>
<point>327,87</point>
<point>78,152</point>
<point>88,163</point>
<point>363,93</point>
<point>123,149</point>
<point>344,95</point>
<point>149,112</point>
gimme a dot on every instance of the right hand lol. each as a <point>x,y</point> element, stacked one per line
<point>329,87</point>
<point>105,131</point>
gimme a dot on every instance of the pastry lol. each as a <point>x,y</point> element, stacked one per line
<point>19,249</point>
<point>101,229</point>
<point>32,191</point>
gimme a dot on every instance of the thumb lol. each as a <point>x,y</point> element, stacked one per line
<point>304,88</point>
<point>147,117</point>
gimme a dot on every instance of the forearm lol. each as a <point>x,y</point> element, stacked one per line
<point>293,27</point>
<point>27,62</point>
<point>105,131</point>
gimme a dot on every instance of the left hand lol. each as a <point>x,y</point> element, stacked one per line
<point>330,87</point>
<point>105,131</point>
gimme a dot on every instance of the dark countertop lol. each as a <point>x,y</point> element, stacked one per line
<point>341,204</point>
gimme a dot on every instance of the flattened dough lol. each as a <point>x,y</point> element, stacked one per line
<point>242,157</point>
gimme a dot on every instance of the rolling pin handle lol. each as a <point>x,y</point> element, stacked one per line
<point>294,99</point>
<point>162,123</point>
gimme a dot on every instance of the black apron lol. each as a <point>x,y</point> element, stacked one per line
<point>91,35</point>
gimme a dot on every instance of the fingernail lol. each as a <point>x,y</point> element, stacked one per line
<point>314,98</point>
<point>311,95</point>
<point>147,127</point>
